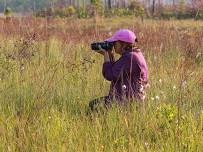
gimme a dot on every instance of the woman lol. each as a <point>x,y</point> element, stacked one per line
<point>128,75</point>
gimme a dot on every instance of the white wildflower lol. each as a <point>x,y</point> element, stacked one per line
<point>147,85</point>
<point>146,144</point>
<point>124,87</point>
<point>160,80</point>
<point>141,88</point>
<point>141,34</point>
<point>174,87</point>
<point>184,84</point>
<point>22,67</point>
<point>198,54</point>
<point>162,92</point>
<point>157,98</point>
<point>110,33</point>
<point>152,98</point>
<point>143,97</point>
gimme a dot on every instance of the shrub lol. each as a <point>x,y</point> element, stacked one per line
<point>82,13</point>
<point>201,14</point>
<point>137,8</point>
<point>167,112</point>
<point>96,7</point>
<point>8,12</point>
<point>69,11</point>
<point>168,15</point>
<point>118,12</point>
<point>91,10</point>
<point>58,12</point>
<point>45,12</point>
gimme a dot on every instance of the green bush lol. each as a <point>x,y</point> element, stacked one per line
<point>8,12</point>
<point>167,111</point>
<point>137,8</point>
<point>201,14</point>
<point>58,12</point>
<point>168,15</point>
<point>95,7</point>
<point>45,12</point>
<point>91,10</point>
<point>118,12</point>
<point>82,13</point>
<point>69,11</point>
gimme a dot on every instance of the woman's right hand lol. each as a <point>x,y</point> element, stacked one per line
<point>100,52</point>
<point>108,54</point>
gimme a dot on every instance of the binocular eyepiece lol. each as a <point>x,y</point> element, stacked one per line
<point>102,45</point>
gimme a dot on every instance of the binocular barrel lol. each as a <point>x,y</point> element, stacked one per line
<point>102,45</point>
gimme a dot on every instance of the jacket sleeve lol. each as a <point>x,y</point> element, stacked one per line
<point>111,71</point>
<point>144,69</point>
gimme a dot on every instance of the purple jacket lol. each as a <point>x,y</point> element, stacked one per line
<point>127,75</point>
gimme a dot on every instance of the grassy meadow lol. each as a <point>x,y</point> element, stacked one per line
<point>48,74</point>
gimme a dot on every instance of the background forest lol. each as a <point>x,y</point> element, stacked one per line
<point>87,8</point>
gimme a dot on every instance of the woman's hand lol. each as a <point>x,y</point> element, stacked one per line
<point>111,55</point>
<point>101,52</point>
<point>108,54</point>
<point>106,57</point>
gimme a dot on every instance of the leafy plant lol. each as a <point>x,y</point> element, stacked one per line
<point>69,11</point>
<point>167,112</point>
<point>137,8</point>
<point>8,12</point>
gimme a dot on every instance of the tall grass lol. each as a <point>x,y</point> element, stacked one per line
<point>48,74</point>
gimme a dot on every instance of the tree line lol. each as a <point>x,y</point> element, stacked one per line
<point>26,5</point>
<point>149,7</point>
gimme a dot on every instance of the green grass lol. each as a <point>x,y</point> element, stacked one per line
<point>44,98</point>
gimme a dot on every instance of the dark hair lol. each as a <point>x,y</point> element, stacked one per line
<point>129,46</point>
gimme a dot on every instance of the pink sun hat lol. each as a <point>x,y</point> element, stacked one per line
<point>124,35</point>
